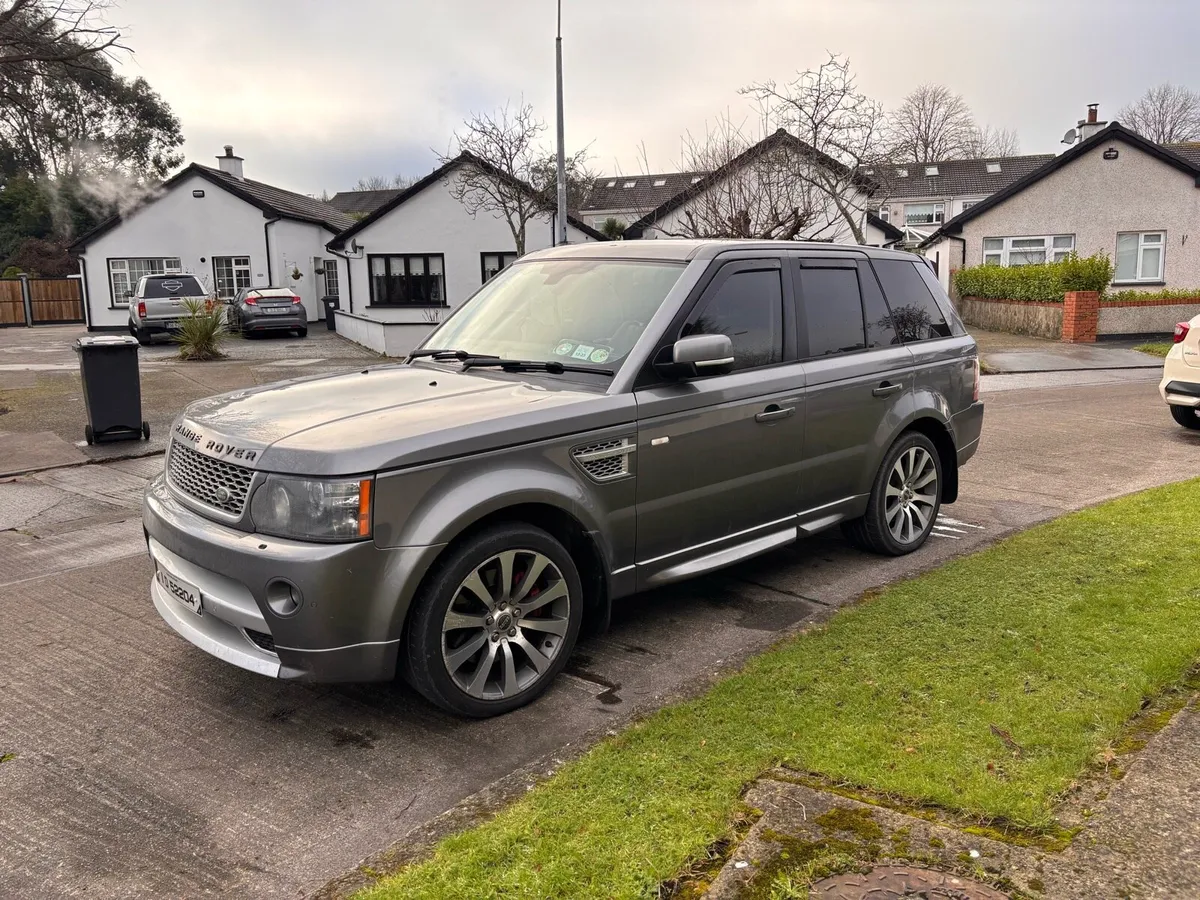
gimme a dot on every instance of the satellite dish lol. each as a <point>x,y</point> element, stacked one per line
<point>353,245</point>
<point>1070,136</point>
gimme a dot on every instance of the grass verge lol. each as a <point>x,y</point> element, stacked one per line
<point>986,686</point>
<point>1155,348</point>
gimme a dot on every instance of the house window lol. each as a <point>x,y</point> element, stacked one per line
<point>1025,251</point>
<point>124,274</point>
<point>967,204</point>
<point>231,274</point>
<point>492,263</point>
<point>930,171</point>
<point>407,280</point>
<point>924,213</point>
<point>331,278</point>
<point>885,213</point>
<point>1140,256</point>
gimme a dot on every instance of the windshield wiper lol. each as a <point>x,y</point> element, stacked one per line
<point>529,365</point>
<point>450,354</point>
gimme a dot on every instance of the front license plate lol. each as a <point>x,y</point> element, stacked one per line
<point>277,310</point>
<point>185,593</point>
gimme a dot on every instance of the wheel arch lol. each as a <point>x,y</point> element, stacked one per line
<point>939,435</point>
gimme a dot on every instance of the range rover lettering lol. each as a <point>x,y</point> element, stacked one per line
<point>596,421</point>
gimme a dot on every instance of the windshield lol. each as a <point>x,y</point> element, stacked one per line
<point>175,286</point>
<point>565,310</point>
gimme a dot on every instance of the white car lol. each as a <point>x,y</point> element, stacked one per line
<point>1180,385</point>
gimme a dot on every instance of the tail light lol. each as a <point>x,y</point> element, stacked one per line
<point>142,315</point>
<point>250,301</point>
<point>975,387</point>
<point>295,299</point>
<point>1181,332</point>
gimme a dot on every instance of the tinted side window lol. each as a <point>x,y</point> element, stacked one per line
<point>833,312</point>
<point>749,308</point>
<point>948,310</point>
<point>915,313</point>
<point>880,330</point>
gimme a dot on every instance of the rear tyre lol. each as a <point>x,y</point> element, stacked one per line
<point>494,624</point>
<point>302,332</point>
<point>1186,416</point>
<point>904,501</point>
<point>145,430</point>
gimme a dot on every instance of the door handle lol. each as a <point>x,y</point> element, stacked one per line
<point>886,390</point>
<point>774,413</point>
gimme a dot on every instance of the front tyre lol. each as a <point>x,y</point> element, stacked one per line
<point>904,501</point>
<point>1186,416</point>
<point>495,623</point>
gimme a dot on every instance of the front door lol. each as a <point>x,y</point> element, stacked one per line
<point>719,456</point>
<point>858,373</point>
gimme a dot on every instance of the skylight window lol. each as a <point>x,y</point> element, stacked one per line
<point>659,182</point>
<point>868,171</point>
<point>629,184</point>
<point>931,170</point>
<point>696,178</point>
<point>902,173</point>
<point>993,168</point>
<point>611,184</point>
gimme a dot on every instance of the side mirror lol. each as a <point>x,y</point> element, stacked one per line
<point>698,354</point>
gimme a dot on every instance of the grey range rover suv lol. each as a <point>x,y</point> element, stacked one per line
<point>595,421</point>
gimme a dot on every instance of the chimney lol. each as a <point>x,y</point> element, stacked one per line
<point>230,164</point>
<point>1090,125</point>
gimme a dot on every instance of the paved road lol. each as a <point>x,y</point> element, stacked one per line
<point>144,768</point>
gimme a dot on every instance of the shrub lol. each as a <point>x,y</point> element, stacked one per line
<point>1129,296</point>
<point>1046,282</point>
<point>201,331</point>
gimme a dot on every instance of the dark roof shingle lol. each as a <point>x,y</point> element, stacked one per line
<point>956,177</point>
<point>363,203</point>
<point>645,193</point>
<point>291,205</point>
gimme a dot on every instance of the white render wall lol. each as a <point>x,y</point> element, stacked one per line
<point>193,229</point>
<point>1093,199</point>
<point>434,222</point>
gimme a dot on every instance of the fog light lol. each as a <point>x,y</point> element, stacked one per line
<point>283,597</point>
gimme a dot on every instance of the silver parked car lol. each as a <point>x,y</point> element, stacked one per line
<point>258,310</point>
<point>595,421</point>
<point>159,303</point>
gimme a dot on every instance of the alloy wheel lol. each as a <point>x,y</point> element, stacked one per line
<point>506,624</point>
<point>911,496</point>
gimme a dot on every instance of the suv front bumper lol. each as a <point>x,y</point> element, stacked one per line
<point>353,596</point>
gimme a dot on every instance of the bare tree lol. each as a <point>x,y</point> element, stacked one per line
<point>932,123</point>
<point>504,171</point>
<point>1165,114</point>
<point>72,32</point>
<point>383,183</point>
<point>988,142</point>
<point>824,108</point>
<point>755,188</point>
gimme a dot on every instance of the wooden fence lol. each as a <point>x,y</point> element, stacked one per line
<point>48,301</point>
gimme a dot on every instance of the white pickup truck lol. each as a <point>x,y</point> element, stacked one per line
<point>157,305</point>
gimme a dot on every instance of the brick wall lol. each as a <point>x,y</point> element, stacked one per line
<point>1081,315</point>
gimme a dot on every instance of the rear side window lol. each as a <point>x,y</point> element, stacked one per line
<point>748,307</point>
<point>880,330</point>
<point>915,314</point>
<point>833,311</point>
<point>183,286</point>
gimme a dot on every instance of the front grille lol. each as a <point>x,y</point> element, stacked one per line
<point>605,461</point>
<point>212,482</point>
<point>260,640</point>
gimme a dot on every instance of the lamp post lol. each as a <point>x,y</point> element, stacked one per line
<point>561,236</point>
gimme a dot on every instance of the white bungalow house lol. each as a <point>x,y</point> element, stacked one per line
<point>421,254</point>
<point>229,231</point>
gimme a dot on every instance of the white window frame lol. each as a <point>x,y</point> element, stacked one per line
<point>504,257</point>
<point>120,271</point>
<point>1140,275</point>
<point>1054,247</point>
<point>331,278</point>
<point>937,215</point>
<point>239,272</point>
<point>885,213</point>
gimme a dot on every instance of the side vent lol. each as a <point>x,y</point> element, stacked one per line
<point>606,461</point>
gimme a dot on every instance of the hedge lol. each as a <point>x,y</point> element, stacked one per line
<point>1046,282</point>
<point>1130,296</point>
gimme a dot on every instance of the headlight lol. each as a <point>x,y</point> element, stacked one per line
<point>314,510</point>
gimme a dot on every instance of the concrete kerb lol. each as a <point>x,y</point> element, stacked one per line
<point>91,461</point>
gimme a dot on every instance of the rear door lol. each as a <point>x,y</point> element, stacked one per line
<point>856,371</point>
<point>164,297</point>
<point>719,455</point>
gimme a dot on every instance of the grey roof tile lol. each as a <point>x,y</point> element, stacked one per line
<point>645,194</point>
<point>363,203</point>
<point>288,203</point>
<point>956,177</point>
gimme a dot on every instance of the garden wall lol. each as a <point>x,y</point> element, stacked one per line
<point>1013,316</point>
<point>1147,317</point>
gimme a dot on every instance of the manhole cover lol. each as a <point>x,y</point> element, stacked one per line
<point>896,882</point>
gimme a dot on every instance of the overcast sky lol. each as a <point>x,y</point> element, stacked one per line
<point>315,94</point>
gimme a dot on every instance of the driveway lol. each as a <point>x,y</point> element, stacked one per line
<point>141,767</point>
